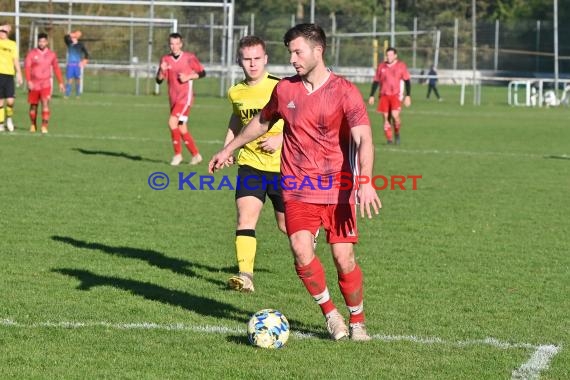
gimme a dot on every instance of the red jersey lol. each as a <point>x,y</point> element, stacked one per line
<point>38,66</point>
<point>186,63</point>
<point>389,76</point>
<point>317,144</point>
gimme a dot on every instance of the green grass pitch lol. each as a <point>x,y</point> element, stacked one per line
<point>467,277</point>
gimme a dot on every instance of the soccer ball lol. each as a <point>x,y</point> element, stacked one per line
<point>268,328</point>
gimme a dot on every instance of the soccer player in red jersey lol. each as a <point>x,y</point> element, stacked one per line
<point>39,65</point>
<point>326,132</point>
<point>388,75</point>
<point>180,69</point>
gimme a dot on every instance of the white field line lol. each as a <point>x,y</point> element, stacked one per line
<point>468,153</point>
<point>538,362</point>
<point>219,142</point>
<point>529,370</point>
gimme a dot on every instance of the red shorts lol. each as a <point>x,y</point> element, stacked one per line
<point>34,96</point>
<point>180,111</point>
<point>339,220</point>
<point>389,103</point>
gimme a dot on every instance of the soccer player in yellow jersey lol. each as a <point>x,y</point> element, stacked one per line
<point>9,66</point>
<point>259,161</point>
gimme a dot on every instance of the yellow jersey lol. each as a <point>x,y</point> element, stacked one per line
<point>8,52</point>
<point>247,101</point>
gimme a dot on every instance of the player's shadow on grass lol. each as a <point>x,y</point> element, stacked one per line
<point>238,339</point>
<point>152,257</point>
<point>116,154</point>
<point>562,157</point>
<point>233,269</point>
<point>201,305</point>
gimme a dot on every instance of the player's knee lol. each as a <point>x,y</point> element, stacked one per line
<point>302,249</point>
<point>345,263</point>
<point>246,223</point>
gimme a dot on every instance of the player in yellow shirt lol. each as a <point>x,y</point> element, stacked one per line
<point>9,66</point>
<point>259,160</point>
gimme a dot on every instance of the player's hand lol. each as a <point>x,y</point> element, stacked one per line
<point>30,85</point>
<point>61,87</point>
<point>219,161</point>
<point>83,63</point>
<point>367,197</point>
<point>183,78</point>
<point>163,67</point>
<point>371,100</point>
<point>407,101</point>
<point>19,80</point>
<point>271,143</point>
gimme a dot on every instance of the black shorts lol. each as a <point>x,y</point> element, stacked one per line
<point>7,89</point>
<point>258,183</point>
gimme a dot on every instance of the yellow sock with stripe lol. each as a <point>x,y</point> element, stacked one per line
<point>2,115</point>
<point>246,246</point>
<point>9,110</point>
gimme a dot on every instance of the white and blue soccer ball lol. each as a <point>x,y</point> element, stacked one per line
<point>268,328</point>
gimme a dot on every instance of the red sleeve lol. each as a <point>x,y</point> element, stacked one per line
<point>56,69</point>
<point>195,64</point>
<point>271,110</point>
<point>405,73</point>
<point>28,67</point>
<point>354,107</point>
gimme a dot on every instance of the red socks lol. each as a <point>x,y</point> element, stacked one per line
<point>388,130</point>
<point>175,133</point>
<point>351,288</point>
<point>313,277</point>
<point>33,115</point>
<point>45,118</point>
<point>190,144</point>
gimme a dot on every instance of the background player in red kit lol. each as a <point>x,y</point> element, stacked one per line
<point>39,65</point>
<point>326,130</point>
<point>389,74</point>
<point>180,68</point>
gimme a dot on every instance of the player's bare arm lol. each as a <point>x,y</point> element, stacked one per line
<point>234,127</point>
<point>367,196</point>
<point>19,79</point>
<point>250,132</point>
